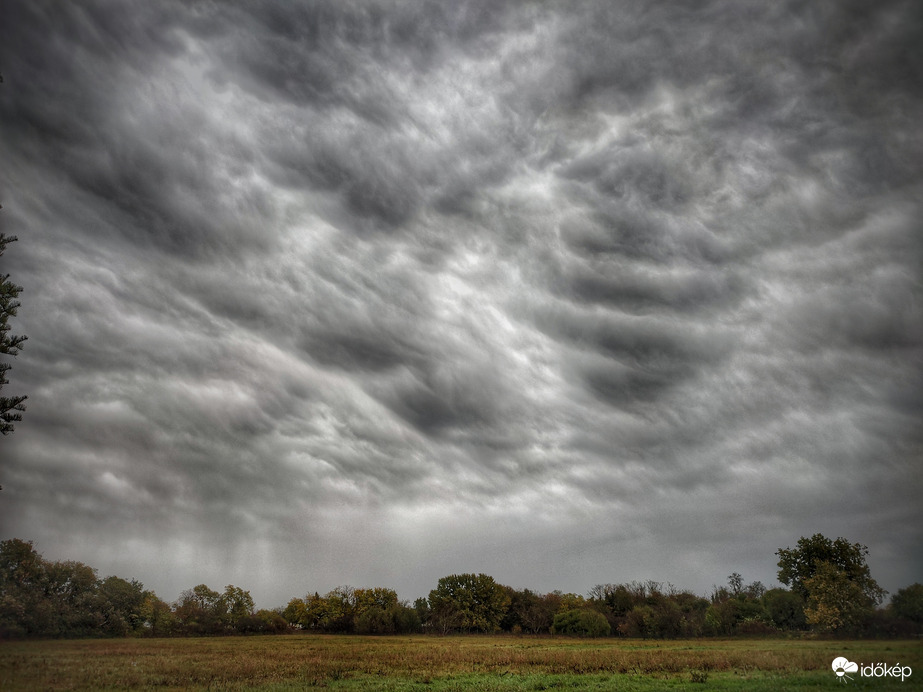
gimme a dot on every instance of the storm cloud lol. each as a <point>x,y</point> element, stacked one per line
<point>369,293</point>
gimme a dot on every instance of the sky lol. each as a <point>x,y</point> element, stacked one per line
<point>567,293</point>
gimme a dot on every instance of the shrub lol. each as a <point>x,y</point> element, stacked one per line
<point>581,623</point>
<point>699,676</point>
<point>907,603</point>
<point>374,620</point>
<point>785,608</point>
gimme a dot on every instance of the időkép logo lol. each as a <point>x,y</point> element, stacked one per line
<point>843,667</point>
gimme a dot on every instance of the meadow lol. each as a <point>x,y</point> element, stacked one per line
<point>333,662</point>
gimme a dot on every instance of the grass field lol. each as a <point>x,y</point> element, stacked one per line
<point>309,662</point>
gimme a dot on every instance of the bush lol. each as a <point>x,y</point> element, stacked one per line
<point>698,676</point>
<point>665,619</point>
<point>581,623</point>
<point>907,603</point>
<point>634,624</point>
<point>785,608</point>
<point>406,620</point>
<point>755,627</point>
<point>883,623</point>
<point>398,619</point>
<point>374,620</point>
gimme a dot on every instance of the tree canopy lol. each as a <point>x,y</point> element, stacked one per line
<point>798,565</point>
<point>469,602</point>
<point>833,579</point>
<point>41,598</point>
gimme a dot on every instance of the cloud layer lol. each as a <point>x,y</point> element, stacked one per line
<point>337,293</point>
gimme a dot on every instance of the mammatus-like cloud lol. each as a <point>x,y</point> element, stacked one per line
<point>328,293</point>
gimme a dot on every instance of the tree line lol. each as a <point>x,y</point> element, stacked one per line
<point>827,589</point>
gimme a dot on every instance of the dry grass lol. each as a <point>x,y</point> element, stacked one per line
<point>477,662</point>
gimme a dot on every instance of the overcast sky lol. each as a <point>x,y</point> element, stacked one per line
<point>568,293</point>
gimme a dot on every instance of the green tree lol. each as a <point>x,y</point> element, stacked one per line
<point>296,612</point>
<point>378,611</point>
<point>159,620</point>
<point>66,599</point>
<point>72,590</point>
<point>468,602</point>
<point>635,622</point>
<point>375,597</point>
<point>723,618</point>
<point>833,579</point>
<point>538,617</point>
<point>798,565</point>
<point>200,610</point>
<point>10,344</point>
<point>24,609</point>
<point>785,609</point>
<point>569,601</point>
<point>272,621</point>
<point>122,604</point>
<point>530,611</point>
<point>235,606</point>
<point>616,599</point>
<point>406,620</point>
<point>581,622</point>
<point>374,620</point>
<point>312,612</point>
<point>836,603</point>
<point>337,610</point>
<point>667,620</point>
<point>421,606</point>
<point>908,603</point>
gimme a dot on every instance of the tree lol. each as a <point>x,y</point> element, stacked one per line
<point>618,599</point>
<point>529,611</point>
<point>725,617</point>
<point>379,597</point>
<point>23,610</point>
<point>581,622</point>
<point>396,619</point>
<point>10,344</point>
<point>122,605</point>
<point>835,602</point>
<point>785,608</point>
<point>833,579</point>
<point>159,619</point>
<point>296,612</point>
<point>200,610</point>
<point>39,598</point>
<point>236,605</point>
<point>539,616</point>
<point>310,613</point>
<point>469,602</point>
<point>271,621</point>
<point>406,620</point>
<point>736,582</point>
<point>338,609</point>
<point>72,590</point>
<point>798,565</point>
<point>569,601</point>
<point>908,603</point>
<point>755,590</point>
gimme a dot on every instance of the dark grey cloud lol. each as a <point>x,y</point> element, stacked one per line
<point>324,293</point>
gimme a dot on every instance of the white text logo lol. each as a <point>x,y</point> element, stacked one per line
<point>843,666</point>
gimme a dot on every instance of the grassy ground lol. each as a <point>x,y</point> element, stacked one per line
<point>308,662</point>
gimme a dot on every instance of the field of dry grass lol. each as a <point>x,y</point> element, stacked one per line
<point>440,663</point>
